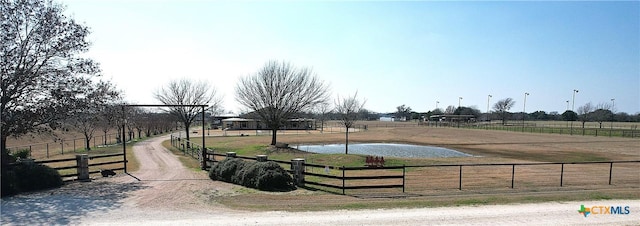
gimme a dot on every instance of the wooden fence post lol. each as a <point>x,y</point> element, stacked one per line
<point>561,173</point>
<point>460,180</point>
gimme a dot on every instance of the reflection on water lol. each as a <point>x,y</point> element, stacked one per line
<point>385,149</point>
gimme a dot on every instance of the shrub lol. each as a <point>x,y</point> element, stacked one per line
<point>266,176</point>
<point>24,177</point>
<point>22,154</point>
<point>272,177</point>
<point>225,169</point>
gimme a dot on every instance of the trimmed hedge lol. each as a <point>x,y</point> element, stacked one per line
<point>25,177</point>
<point>265,176</point>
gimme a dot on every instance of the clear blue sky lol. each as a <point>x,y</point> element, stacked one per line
<point>392,53</point>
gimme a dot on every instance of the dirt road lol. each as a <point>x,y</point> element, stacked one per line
<point>163,192</point>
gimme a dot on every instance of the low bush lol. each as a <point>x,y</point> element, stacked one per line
<point>25,177</point>
<point>21,154</point>
<point>265,176</point>
<point>225,169</point>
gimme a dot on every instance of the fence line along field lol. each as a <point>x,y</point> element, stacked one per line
<point>486,146</point>
<point>536,158</point>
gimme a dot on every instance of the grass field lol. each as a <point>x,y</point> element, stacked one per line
<point>439,186</point>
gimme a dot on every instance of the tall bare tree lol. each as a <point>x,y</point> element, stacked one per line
<point>41,67</point>
<point>450,110</point>
<point>502,108</point>
<point>348,109</point>
<point>321,110</point>
<point>279,91</point>
<point>584,113</point>
<point>187,92</point>
<point>602,113</point>
<point>107,119</point>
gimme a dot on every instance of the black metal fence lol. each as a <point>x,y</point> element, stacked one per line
<point>427,178</point>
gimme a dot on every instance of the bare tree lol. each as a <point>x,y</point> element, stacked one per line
<point>403,113</point>
<point>602,113</point>
<point>450,110</point>
<point>279,91</point>
<point>502,108</point>
<point>41,67</point>
<point>107,119</point>
<point>348,109</point>
<point>321,110</point>
<point>584,114</point>
<point>90,106</point>
<point>187,92</point>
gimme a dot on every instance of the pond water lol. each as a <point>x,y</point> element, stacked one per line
<point>385,149</point>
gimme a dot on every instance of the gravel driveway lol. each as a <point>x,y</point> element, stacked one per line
<point>163,192</point>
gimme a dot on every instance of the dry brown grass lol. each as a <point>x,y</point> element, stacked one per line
<point>481,184</point>
<point>439,186</point>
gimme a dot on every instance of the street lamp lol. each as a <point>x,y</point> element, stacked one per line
<point>524,109</point>
<point>613,105</point>
<point>572,107</point>
<point>574,99</point>
<point>488,99</point>
<point>437,102</point>
<point>459,99</point>
<point>567,113</point>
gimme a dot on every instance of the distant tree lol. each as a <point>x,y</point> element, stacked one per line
<point>89,109</point>
<point>467,111</point>
<point>539,115</point>
<point>450,110</point>
<point>42,70</point>
<point>622,117</point>
<point>602,113</point>
<point>278,91</point>
<point>554,115</point>
<point>367,115</point>
<point>502,108</point>
<point>322,110</point>
<point>107,119</point>
<point>569,115</point>
<point>584,114</point>
<point>437,111</point>
<point>187,92</point>
<point>348,109</point>
<point>403,113</point>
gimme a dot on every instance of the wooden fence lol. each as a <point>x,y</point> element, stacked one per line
<point>65,166</point>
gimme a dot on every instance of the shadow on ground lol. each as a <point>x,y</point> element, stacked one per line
<point>64,205</point>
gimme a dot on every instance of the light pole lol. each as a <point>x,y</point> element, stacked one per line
<point>437,102</point>
<point>488,99</point>
<point>524,110</point>
<point>574,99</point>
<point>459,100</point>
<point>613,105</point>
<point>572,107</point>
<point>567,113</point>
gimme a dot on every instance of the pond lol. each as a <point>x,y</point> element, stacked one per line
<point>385,149</point>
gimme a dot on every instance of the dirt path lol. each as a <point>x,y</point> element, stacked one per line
<point>169,185</point>
<point>169,194</point>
